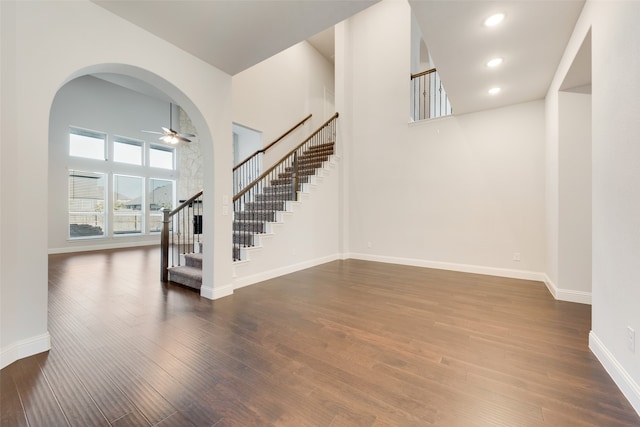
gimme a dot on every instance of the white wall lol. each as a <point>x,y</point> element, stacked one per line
<point>615,174</point>
<point>574,197</point>
<point>44,45</point>
<point>277,93</point>
<point>464,192</point>
<point>616,193</point>
<point>94,104</point>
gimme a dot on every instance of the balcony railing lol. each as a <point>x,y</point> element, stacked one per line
<point>428,97</point>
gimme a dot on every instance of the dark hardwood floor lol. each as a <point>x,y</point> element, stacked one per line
<point>348,343</point>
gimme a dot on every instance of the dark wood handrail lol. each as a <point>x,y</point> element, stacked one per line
<point>164,234</point>
<point>185,203</point>
<point>284,135</point>
<point>264,174</point>
<point>422,73</point>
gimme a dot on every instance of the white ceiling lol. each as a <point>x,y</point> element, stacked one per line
<point>531,40</point>
<point>234,35</point>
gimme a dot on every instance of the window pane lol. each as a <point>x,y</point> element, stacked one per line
<point>86,204</point>
<point>86,144</point>
<point>127,151</point>
<point>160,157</point>
<point>127,204</point>
<point>160,196</point>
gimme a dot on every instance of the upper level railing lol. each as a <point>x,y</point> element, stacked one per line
<point>249,169</point>
<point>428,97</point>
<point>181,233</point>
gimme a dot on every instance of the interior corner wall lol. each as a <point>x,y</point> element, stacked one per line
<point>462,192</point>
<point>275,94</point>
<point>616,193</point>
<point>64,37</point>
<point>574,197</point>
<point>615,196</point>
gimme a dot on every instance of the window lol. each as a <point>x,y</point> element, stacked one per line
<point>86,204</point>
<point>87,144</point>
<point>160,196</point>
<point>127,204</point>
<point>124,194</point>
<point>161,157</point>
<point>127,151</point>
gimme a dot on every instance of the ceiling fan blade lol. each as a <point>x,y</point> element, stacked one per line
<point>182,138</point>
<point>152,131</point>
<point>167,131</point>
<point>187,135</point>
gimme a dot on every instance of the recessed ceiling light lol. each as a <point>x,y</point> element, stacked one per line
<point>494,90</point>
<point>494,20</point>
<point>494,62</point>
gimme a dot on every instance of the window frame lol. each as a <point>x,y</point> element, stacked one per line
<point>74,130</point>
<point>109,169</point>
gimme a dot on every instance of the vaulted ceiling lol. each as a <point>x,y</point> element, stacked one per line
<point>234,35</point>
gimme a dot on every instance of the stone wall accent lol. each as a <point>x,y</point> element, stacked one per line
<point>189,160</point>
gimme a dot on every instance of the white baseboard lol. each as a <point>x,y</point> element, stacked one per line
<point>620,376</point>
<point>567,294</point>
<point>216,292</point>
<point>241,282</point>
<point>102,246</point>
<point>24,348</point>
<point>439,265</point>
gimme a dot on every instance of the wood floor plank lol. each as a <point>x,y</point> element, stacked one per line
<point>347,343</point>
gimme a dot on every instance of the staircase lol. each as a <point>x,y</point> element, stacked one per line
<point>254,208</point>
<point>255,216</point>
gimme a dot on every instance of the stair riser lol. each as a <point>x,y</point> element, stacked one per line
<point>193,261</point>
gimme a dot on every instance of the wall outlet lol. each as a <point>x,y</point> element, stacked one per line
<point>631,339</point>
<point>516,256</point>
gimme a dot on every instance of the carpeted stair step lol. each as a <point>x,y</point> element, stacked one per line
<point>252,226</point>
<point>305,166</point>
<point>301,172</point>
<point>266,205</point>
<point>320,156</point>
<point>266,216</point>
<point>320,147</point>
<point>285,181</point>
<point>285,195</point>
<point>276,189</point>
<point>243,238</point>
<point>186,275</point>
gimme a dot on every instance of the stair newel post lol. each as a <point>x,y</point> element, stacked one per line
<point>164,246</point>
<point>294,177</point>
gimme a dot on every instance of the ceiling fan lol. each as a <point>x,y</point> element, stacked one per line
<point>169,135</point>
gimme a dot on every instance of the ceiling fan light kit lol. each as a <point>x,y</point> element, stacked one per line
<point>169,135</point>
